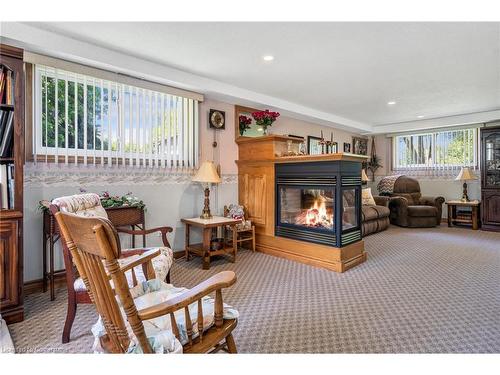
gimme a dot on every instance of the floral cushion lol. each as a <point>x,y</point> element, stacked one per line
<point>88,205</point>
<point>159,330</point>
<point>161,265</point>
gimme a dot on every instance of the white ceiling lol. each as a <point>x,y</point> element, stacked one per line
<point>346,69</point>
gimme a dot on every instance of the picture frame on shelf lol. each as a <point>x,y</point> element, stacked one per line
<point>333,148</point>
<point>295,136</point>
<point>313,145</point>
<point>347,147</point>
<point>360,146</point>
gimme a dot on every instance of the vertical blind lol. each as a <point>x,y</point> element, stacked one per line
<point>438,153</point>
<point>83,119</point>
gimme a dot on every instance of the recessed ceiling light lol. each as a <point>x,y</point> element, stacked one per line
<point>420,116</point>
<point>268,58</point>
<point>392,102</point>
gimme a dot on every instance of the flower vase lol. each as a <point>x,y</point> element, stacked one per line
<point>264,130</point>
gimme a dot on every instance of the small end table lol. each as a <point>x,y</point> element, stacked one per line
<point>472,219</point>
<point>207,226</point>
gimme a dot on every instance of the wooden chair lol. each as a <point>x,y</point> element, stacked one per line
<point>95,247</point>
<point>243,233</point>
<point>90,205</point>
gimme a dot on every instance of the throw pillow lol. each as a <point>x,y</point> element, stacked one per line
<point>367,197</point>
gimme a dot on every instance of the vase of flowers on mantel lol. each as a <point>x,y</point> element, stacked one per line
<point>265,119</point>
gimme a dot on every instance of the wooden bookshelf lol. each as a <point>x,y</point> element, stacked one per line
<point>11,217</point>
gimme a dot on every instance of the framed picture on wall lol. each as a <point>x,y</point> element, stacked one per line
<point>313,145</point>
<point>347,147</point>
<point>360,146</point>
<point>245,125</point>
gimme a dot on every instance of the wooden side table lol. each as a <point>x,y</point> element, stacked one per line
<point>132,217</point>
<point>472,219</point>
<point>203,249</point>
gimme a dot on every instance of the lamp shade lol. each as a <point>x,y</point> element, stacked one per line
<point>364,177</point>
<point>465,175</point>
<point>207,173</point>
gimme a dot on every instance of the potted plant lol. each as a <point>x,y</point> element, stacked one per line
<point>265,119</point>
<point>107,201</point>
<point>127,200</point>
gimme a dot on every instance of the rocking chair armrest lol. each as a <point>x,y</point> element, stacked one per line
<point>219,281</point>
<point>131,252</point>
<point>140,232</point>
<point>145,257</point>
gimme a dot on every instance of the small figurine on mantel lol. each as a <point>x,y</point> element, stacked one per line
<point>302,148</point>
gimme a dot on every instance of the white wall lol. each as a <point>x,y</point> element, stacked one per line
<point>166,203</point>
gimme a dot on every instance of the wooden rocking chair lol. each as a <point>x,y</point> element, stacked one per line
<point>95,248</point>
<point>89,204</point>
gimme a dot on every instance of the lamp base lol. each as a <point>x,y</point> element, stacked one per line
<point>205,214</point>
<point>465,197</point>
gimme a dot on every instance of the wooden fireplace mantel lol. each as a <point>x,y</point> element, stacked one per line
<point>256,191</point>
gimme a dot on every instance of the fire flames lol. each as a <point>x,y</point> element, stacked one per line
<point>316,216</point>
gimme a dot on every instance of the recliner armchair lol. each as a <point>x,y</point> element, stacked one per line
<point>410,209</point>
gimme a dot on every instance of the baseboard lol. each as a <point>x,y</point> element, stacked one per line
<point>36,286</point>
<point>179,254</point>
<point>14,315</point>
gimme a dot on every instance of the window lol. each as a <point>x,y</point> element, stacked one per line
<point>440,150</point>
<point>87,120</point>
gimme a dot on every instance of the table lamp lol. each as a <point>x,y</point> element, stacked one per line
<point>364,177</point>
<point>207,174</point>
<point>465,175</point>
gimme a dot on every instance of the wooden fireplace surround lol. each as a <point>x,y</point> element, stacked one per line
<point>257,158</point>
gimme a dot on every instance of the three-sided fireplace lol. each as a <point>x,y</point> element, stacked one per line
<point>319,202</point>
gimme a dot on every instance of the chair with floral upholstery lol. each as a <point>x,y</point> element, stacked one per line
<point>152,317</point>
<point>89,205</point>
<point>245,231</point>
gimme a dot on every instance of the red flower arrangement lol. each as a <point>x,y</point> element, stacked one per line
<point>244,122</point>
<point>265,118</point>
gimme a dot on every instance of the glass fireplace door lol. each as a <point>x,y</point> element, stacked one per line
<point>307,207</point>
<point>350,215</point>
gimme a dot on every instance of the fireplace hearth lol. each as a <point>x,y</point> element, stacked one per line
<point>319,202</point>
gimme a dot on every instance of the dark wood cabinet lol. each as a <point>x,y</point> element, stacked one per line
<point>9,286</point>
<point>490,177</point>
<point>11,212</point>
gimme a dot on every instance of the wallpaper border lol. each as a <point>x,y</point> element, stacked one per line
<point>61,175</point>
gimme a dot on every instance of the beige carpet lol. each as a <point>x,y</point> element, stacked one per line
<point>420,291</point>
